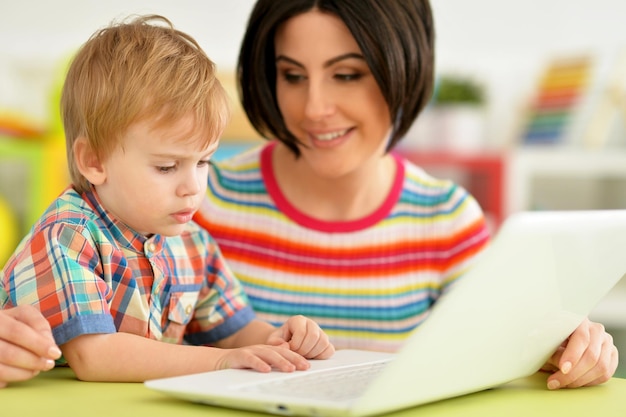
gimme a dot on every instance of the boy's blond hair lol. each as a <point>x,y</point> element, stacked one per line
<point>133,71</point>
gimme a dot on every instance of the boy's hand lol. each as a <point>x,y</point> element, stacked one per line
<point>587,357</point>
<point>304,336</point>
<point>26,344</point>
<point>262,358</point>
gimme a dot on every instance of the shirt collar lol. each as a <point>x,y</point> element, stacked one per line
<point>122,233</point>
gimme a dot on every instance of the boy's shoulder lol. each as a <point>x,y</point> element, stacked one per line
<point>67,208</point>
<point>72,214</point>
<point>65,221</point>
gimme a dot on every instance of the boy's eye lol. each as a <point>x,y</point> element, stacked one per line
<point>203,163</point>
<point>166,169</point>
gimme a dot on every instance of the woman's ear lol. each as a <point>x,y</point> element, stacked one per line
<point>88,162</point>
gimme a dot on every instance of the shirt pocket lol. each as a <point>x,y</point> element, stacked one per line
<point>182,306</point>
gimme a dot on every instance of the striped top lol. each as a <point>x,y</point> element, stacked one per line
<point>89,273</point>
<point>368,282</point>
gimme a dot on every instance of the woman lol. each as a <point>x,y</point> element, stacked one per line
<point>26,344</point>
<point>325,220</point>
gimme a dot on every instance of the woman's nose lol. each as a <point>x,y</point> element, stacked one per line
<point>319,102</point>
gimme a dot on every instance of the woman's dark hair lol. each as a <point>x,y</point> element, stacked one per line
<point>395,36</point>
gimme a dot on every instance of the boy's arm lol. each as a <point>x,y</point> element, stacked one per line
<point>300,334</point>
<point>125,357</point>
<point>253,333</point>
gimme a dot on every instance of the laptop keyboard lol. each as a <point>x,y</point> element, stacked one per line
<point>331,384</point>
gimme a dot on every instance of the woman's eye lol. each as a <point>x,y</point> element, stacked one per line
<point>203,163</point>
<point>348,77</point>
<point>293,78</point>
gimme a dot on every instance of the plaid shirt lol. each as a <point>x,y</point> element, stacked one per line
<point>89,273</point>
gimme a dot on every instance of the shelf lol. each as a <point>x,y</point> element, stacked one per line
<point>611,311</point>
<point>598,175</point>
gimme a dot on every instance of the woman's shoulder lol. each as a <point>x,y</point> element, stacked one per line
<point>236,181</point>
<point>419,180</point>
<point>247,159</point>
<point>427,190</point>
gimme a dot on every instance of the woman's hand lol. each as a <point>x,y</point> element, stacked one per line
<point>26,344</point>
<point>588,357</point>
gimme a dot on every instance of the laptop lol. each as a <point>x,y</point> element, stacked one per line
<point>539,278</point>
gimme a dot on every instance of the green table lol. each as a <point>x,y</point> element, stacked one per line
<point>57,393</point>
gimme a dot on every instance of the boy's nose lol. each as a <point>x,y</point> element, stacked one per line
<point>192,184</point>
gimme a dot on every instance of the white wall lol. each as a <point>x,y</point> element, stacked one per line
<point>504,43</point>
<point>38,35</point>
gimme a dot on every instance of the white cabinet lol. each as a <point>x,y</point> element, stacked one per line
<point>569,179</point>
<point>565,179</point>
<point>611,311</point>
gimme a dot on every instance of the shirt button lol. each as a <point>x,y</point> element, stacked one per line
<point>151,247</point>
<point>188,309</point>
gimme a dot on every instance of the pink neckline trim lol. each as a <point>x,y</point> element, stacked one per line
<point>307,221</point>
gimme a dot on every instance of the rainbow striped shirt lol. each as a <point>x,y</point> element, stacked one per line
<point>369,282</point>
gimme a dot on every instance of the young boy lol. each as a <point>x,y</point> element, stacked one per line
<point>115,263</point>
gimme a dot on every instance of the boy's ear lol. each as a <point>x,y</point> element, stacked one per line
<point>88,162</point>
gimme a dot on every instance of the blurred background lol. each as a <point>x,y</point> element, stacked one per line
<point>529,110</point>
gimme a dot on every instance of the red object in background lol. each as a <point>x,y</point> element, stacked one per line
<point>481,174</point>
<point>18,127</point>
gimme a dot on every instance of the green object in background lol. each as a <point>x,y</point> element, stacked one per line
<point>450,90</point>
<point>55,128</point>
<point>9,231</point>
<point>619,339</point>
